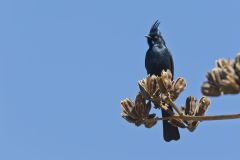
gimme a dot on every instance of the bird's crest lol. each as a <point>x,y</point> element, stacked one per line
<point>154,29</point>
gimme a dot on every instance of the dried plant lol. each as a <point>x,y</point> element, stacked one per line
<point>162,91</point>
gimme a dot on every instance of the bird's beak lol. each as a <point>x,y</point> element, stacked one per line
<point>147,36</point>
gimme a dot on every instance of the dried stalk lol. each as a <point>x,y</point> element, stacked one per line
<point>174,105</point>
<point>202,118</point>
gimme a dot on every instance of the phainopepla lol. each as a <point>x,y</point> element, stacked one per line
<point>159,58</point>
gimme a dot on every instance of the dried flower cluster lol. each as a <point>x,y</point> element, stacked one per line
<point>192,109</point>
<point>163,86</point>
<point>224,78</point>
<point>138,112</point>
<point>163,91</point>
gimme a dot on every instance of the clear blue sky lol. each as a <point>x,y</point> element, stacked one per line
<point>66,65</point>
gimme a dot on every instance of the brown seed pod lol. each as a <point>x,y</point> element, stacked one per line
<point>190,106</point>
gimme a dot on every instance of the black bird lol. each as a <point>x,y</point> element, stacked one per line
<point>159,58</point>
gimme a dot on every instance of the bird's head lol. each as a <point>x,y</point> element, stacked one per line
<point>154,36</point>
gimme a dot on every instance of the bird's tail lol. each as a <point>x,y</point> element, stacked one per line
<point>170,132</point>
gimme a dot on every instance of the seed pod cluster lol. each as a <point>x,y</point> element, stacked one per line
<point>194,109</point>
<point>224,78</point>
<point>138,112</point>
<point>154,86</point>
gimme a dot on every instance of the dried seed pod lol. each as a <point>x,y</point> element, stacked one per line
<point>210,90</point>
<point>190,106</point>
<point>223,63</point>
<point>127,105</point>
<point>150,121</point>
<point>166,77</point>
<point>203,105</point>
<point>162,86</point>
<point>169,74</point>
<point>142,87</point>
<point>178,86</point>
<point>211,77</point>
<point>152,84</point>
<point>149,86</point>
<point>141,108</point>
<point>230,86</point>
<point>229,70</point>
<point>136,112</point>
<point>216,72</point>
<point>190,109</point>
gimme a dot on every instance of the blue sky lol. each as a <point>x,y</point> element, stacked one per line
<point>66,65</point>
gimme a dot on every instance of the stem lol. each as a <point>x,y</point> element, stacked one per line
<point>173,105</point>
<point>202,118</point>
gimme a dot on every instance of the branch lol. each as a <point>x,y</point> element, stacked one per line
<point>173,105</point>
<point>201,118</point>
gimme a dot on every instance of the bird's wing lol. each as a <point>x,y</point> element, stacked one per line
<point>172,65</point>
<point>147,62</point>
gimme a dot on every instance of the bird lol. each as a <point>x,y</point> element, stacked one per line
<point>157,59</point>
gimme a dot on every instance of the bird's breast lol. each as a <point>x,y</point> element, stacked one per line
<point>157,60</point>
